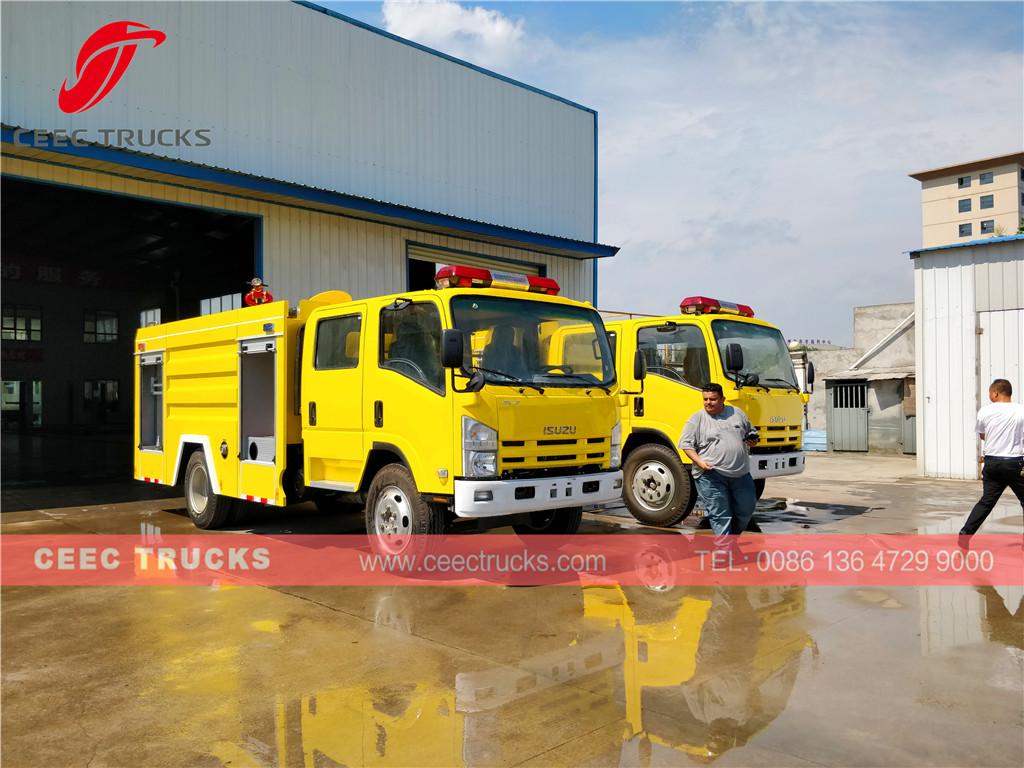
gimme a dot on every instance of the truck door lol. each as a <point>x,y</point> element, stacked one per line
<point>677,367</point>
<point>332,399</point>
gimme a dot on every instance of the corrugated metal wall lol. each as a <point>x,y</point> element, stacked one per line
<point>307,251</point>
<point>295,95</point>
<point>951,287</point>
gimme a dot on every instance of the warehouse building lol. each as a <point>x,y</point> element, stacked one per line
<point>969,330</point>
<point>152,167</point>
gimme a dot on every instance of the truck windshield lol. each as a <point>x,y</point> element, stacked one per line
<point>764,352</point>
<point>534,342</point>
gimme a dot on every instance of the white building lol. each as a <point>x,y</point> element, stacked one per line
<point>151,167</point>
<point>969,309</point>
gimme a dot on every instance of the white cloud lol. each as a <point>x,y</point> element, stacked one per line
<point>762,156</point>
<point>486,37</point>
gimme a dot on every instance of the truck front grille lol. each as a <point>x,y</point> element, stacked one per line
<point>775,439</point>
<point>545,454</point>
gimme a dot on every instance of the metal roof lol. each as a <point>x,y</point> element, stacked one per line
<point>968,244</point>
<point>873,374</point>
<point>970,165</point>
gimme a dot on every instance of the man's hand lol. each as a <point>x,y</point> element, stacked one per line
<point>696,459</point>
<point>750,442</point>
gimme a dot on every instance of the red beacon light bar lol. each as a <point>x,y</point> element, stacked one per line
<point>476,277</point>
<point>702,305</point>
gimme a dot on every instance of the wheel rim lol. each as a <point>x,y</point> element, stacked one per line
<point>655,570</point>
<point>392,513</point>
<point>198,489</point>
<point>653,486</point>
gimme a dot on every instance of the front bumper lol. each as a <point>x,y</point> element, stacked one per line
<point>493,498</point>
<point>776,464</point>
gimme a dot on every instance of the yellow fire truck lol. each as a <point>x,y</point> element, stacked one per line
<point>710,341</point>
<point>428,407</point>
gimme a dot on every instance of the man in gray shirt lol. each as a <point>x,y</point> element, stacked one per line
<point>718,440</point>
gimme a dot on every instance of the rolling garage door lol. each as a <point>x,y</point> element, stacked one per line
<point>425,260</point>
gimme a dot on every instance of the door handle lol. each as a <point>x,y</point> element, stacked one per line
<point>312,413</point>
<point>638,406</point>
<point>378,413</point>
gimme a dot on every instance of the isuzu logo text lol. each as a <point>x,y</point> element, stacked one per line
<point>567,430</point>
<point>102,61</point>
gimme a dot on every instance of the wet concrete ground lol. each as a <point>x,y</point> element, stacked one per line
<point>603,676</point>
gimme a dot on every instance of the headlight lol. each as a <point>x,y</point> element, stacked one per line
<point>615,454</point>
<point>479,449</point>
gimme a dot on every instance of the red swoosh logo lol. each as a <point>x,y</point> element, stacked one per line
<point>102,60</point>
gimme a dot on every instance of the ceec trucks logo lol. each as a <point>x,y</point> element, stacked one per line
<point>102,61</point>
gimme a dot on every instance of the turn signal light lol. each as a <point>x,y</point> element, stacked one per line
<point>476,277</point>
<point>702,305</point>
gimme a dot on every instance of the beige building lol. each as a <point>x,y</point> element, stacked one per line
<point>973,200</point>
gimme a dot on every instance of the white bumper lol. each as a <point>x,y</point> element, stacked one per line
<point>776,464</point>
<point>492,498</point>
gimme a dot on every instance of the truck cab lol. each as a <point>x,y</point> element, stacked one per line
<point>428,408</point>
<point>709,341</point>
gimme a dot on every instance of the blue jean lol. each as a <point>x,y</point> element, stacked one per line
<point>728,501</point>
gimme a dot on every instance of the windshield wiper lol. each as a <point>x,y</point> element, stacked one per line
<point>789,384</point>
<point>510,377</point>
<point>583,377</point>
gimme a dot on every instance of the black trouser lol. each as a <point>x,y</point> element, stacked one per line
<point>998,475</point>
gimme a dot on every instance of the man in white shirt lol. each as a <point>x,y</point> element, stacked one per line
<point>1001,428</point>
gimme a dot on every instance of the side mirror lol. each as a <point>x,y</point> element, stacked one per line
<point>453,349</point>
<point>476,382</point>
<point>810,376</point>
<point>733,358</point>
<point>751,380</point>
<point>639,366</point>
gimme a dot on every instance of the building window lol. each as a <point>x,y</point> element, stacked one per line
<point>100,327</point>
<point>100,394</point>
<point>21,403</point>
<point>148,317</point>
<point>985,178</point>
<point>965,230</point>
<point>220,303</point>
<point>963,182</point>
<point>964,206</point>
<point>986,201</point>
<point>988,226</point>
<point>22,323</point>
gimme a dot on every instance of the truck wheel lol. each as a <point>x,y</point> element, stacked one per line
<point>207,509</point>
<point>657,488</point>
<point>759,487</point>
<point>395,511</point>
<point>554,522</point>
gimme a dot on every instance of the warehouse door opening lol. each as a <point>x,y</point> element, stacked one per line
<point>424,261</point>
<point>82,270</point>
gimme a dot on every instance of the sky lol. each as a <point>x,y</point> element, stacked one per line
<point>755,152</point>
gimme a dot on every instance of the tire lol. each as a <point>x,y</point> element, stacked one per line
<point>657,488</point>
<point>396,513</point>
<point>553,522</point>
<point>207,509</point>
<point>759,487</point>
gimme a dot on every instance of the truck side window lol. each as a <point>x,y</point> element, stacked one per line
<point>410,343</point>
<point>337,342</point>
<point>679,354</point>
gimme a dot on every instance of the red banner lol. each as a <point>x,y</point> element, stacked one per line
<point>651,560</point>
